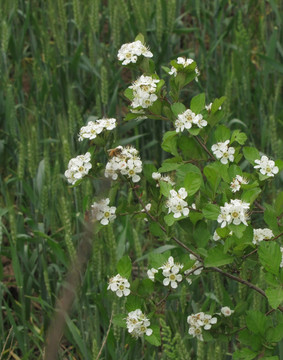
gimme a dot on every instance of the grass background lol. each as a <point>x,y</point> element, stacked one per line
<point>58,66</point>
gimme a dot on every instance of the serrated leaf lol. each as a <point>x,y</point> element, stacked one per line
<point>270,256</point>
<point>124,266</point>
<point>217,257</point>
<point>129,94</point>
<point>244,354</point>
<point>251,154</point>
<point>213,176</point>
<point>250,195</point>
<point>133,303</point>
<point>275,334</point>
<point>222,133</point>
<point>169,143</point>
<point>216,104</point>
<point>178,108</point>
<point>239,137</point>
<point>211,211</point>
<point>165,188</point>
<point>274,296</point>
<point>184,169</point>
<point>157,259</point>
<point>169,219</point>
<point>198,103</point>
<point>192,182</point>
<point>155,229</point>
<point>256,322</point>
<point>154,338</point>
<point>140,37</point>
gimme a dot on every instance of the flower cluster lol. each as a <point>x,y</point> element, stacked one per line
<point>94,128</point>
<point>262,234</point>
<point>184,62</point>
<point>237,182</point>
<point>198,322</point>
<point>176,203</point>
<point>124,161</point>
<point>187,119</point>
<point>144,89</point>
<point>158,177</point>
<point>78,167</point>
<point>129,53</point>
<point>266,167</point>
<point>196,266</point>
<point>137,324</point>
<point>119,285</point>
<point>223,152</point>
<point>235,212</point>
<point>102,212</point>
<point>170,271</point>
<point>226,311</point>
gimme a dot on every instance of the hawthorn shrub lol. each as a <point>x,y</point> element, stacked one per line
<point>203,214</point>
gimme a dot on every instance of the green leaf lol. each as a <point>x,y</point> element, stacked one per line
<point>278,206</point>
<point>270,256</point>
<point>124,266</point>
<point>133,303</point>
<point>234,170</point>
<point>198,103</point>
<point>155,229</point>
<point>140,37</point>
<point>146,287</point>
<point>239,137</point>
<point>251,154</point>
<point>165,188</point>
<point>129,94</point>
<point>169,143</point>
<point>222,133</point>
<point>154,338</point>
<point>213,176</point>
<point>245,354</point>
<point>250,196</point>
<point>169,219</point>
<point>216,104</point>
<point>256,322</point>
<point>178,108</point>
<point>157,259</point>
<point>216,257</point>
<point>190,148</point>
<point>274,296</point>
<point>120,320</point>
<point>192,182</point>
<point>270,218</point>
<point>183,170</point>
<point>275,334</point>
<point>211,211</point>
<point>170,164</point>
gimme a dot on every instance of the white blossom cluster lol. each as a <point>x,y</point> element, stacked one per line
<point>199,322</point>
<point>226,311</point>
<point>125,161</point>
<point>187,119</point>
<point>119,285</point>
<point>144,89</point>
<point>237,182</point>
<point>190,271</point>
<point>262,234</point>
<point>281,249</point>
<point>158,177</point>
<point>170,270</point>
<point>235,212</point>
<point>94,128</point>
<point>185,62</point>
<point>266,166</point>
<point>137,324</point>
<point>223,151</point>
<point>102,212</point>
<point>176,203</point>
<point>78,167</point>
<point>129,53</point>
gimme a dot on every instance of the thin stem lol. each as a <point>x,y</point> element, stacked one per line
<point>163,299</point>
<point>104,341</point>
<point>204,147</point>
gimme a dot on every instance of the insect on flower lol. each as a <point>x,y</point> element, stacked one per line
<point>115,152</point>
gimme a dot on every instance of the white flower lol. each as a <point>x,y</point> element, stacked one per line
<point>129,53</point>
<point>126,162</point>
<point>235,212</point>
<point>223,152</point>
<point>119,285</point>
<point>262,234</point>
<point>266,167</point>
<point>137,324</point>
<point>216,237</point>
<point>93,128</point>
<point>176,203</point>
<point>226,311</point>
<point>144,89</point>
<point>156,175</point>
<point>102,212</point>
<point>151,273</point>
<point>78,167</point>
<point>170,271</point>
<point>186,120</point>
<point>237,182</point>
<point>198,322</point>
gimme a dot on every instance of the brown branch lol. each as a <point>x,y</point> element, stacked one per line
<point>163,299</point>
<point>204,147</point>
